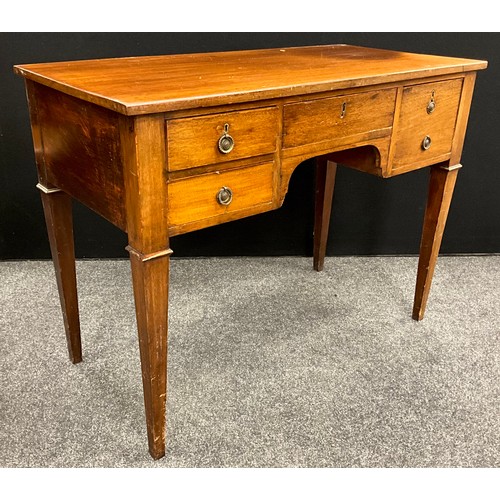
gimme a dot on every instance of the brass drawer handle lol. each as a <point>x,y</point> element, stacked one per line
<point>431,105</point>
<point>426,143</point>
<point>224,196</point>
<point>226,142</point>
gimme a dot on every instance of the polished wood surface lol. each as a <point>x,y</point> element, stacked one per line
<point>137,141</point>
<point>80,151</point>
<point>142,85</point>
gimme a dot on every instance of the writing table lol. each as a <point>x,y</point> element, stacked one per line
<point>165,145</point>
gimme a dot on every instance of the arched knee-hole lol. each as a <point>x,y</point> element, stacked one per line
<point>368,158</point>
<point>365,158</point>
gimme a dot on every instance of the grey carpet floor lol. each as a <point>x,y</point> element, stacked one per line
<point>270,365</point>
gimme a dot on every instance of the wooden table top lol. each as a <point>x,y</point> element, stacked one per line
<point>151,84</point>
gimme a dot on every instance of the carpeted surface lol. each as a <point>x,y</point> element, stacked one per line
<point>270,365</point>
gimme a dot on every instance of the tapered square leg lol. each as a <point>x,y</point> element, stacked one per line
<point>150,281</point>
<point>441,186</point>
<point>59,219</point>
<point>325,183</point>
<point>143,149</point>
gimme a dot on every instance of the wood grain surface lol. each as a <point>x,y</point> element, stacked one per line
<point>139,85</point>
<point>79,150</point>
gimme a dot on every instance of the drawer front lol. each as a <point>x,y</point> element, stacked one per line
<point>193,142</point>
<point>195,198</point>
<point>428,113</point>
<point>336,118</point>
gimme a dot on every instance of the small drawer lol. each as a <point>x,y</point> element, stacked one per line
<point>426,123</point>
<point>337,118</point>
<point>210,139</point>
<point>216,194</point>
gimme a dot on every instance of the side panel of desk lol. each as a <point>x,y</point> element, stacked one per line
<point>80,150</point>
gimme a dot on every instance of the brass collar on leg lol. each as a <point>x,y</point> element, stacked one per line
<point>150,256</point>
<point>451,167</point>
<point>47,190</point>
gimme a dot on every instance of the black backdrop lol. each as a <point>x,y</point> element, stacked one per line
<point>370,215</point>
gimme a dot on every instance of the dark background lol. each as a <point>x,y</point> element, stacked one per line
<point>370,215</point>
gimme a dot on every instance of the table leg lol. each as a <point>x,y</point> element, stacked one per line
<point>441,185</point>
<point>59,220</point>
<point>325,182</point>
<point>143,150</point>
<point>150,282</point>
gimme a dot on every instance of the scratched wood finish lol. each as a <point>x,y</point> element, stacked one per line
<point>81,150</point>
<point>143,149</point>
<point>154,84</point>
<point>194,199</point>
<point>194,141</point>
<point>310,122</point>
<point>415,123</point>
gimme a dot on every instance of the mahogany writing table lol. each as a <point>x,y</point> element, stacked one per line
<point>164,145</point>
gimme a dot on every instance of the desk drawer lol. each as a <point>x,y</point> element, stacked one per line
<point>215,195</point>
<point>428,113</point>
<point>337,118</point>
<point>193,142</point>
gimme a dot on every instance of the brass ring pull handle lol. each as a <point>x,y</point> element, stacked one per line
<point>426,143</point>
<point>226,142</point>
<point>431,106</point>
<point>224,196</point>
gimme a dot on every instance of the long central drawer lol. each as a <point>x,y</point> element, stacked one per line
<point>337,118</point>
